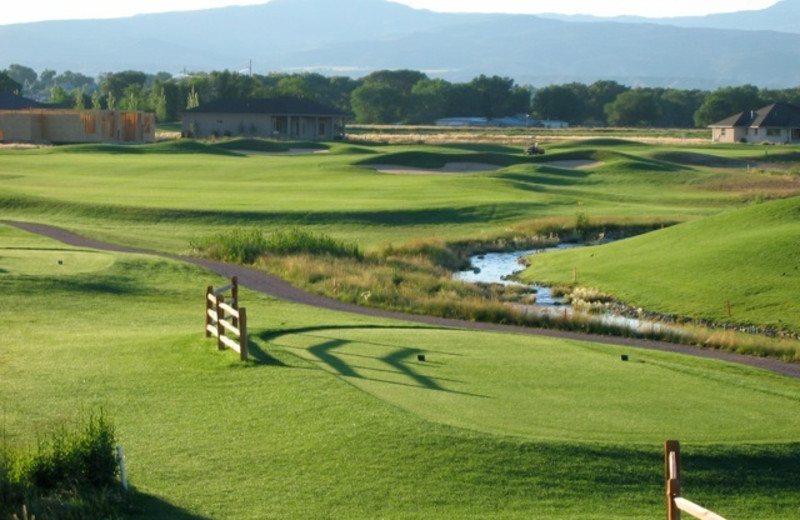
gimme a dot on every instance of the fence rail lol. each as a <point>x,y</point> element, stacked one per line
<point>676,503</point>
<point>225,319</point>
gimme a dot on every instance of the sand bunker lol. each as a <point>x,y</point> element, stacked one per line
<point>451,168</point>
<point>576,164</point>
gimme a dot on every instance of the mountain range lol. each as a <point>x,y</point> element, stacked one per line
<point>356,37</point>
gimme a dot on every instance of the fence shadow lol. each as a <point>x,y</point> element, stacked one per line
<point>260,356</point>
<point>148,507</point>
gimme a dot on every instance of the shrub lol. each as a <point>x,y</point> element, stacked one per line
<point>238,245</point>
<point>244,246</point>
<point>71,474</point>
<point>298,242</point>
<point>85,458</point>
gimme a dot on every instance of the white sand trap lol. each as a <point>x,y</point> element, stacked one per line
<point>290,151</point>
<point>576,164</point>
<point>451,168</point>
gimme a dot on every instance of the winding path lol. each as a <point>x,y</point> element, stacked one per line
<point>277,288</point>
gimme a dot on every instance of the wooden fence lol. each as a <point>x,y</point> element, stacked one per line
<point>224,318</point>
<point>676,503</point>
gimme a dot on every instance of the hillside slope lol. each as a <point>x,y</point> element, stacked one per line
<point>750,257</point>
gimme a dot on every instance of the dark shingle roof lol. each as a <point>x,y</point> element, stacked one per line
<point>279,105</point>
<point>781,115</point>
<point>10,101</point>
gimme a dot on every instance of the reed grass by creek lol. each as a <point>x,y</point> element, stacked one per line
<point>417,278</point>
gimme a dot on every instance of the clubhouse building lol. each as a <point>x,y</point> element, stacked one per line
<point>273,118</point>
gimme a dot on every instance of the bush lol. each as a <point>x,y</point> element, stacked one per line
<point>239,245</point>
<point>244,246</point>
<point>85,458</point>
<point>71,474</point>
<point>299,242</point>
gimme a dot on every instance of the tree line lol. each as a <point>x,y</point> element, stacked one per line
<point>398,96</point>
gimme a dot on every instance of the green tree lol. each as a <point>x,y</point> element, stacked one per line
<point>463,101</point>
<point>117,82</point>
<point>638,107</point>
<point>7,84</point>
<point>58,95</point>
<point>499,97</point>
<point>679,107</point>
<point>562,102</point>
<point>725,102</point>
<point>601,93</point>
<point>430,98</point>
<point>111,101</point>
<point>97,102</point>
<point>375,103</point>
<point>71,81</point>
<point>193,100</point>
<point>80,103</point>
<point>25,76</point>
<point>157,101</point>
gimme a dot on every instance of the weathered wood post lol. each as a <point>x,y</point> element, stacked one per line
<point>209,293</point>
<point>243,334</point>
<point>235,296</point>
<point>672,472</point>
<point>220,326</point>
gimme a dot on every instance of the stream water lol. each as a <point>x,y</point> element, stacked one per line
<point>499,268</point>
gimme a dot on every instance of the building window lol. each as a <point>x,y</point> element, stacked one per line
<point>774,132</point>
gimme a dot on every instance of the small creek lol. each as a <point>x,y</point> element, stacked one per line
<point>499,268</point>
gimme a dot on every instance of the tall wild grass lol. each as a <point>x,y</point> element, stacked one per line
<point>70,474</point>
<point>417,278</point>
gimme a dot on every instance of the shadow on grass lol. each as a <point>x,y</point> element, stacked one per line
<point>148,507</point>
<point>261,356</point>
<point>399,359</point>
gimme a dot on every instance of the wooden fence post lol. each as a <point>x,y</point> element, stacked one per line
<point>243,334</point>
<point>220,327</point>
<point>672,472</point>
<point>235,296</point>
<point>209,292</point>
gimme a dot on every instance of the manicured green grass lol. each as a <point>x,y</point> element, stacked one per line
<point>748,257</point>
<point>337,419</point>
<point>163,196</point>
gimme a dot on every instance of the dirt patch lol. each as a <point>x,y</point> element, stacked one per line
<point>575,164</point>
<point>451,168</point>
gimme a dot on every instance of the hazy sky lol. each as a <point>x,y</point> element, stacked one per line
<point>36,10</point>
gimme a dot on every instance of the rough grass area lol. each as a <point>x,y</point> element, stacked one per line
<point>70,473</point>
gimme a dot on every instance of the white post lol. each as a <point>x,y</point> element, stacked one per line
<point>122,473</point>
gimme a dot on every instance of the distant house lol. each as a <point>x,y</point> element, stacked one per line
<point>276,118</point>
<point>26,121</point>
<point>776,123</point>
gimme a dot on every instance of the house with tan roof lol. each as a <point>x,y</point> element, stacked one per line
<point>778,123</point>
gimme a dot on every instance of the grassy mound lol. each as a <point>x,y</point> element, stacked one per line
<point>263,145</point>
<point>425,159</point>
<point>167,147</point>
<point>748,257</point>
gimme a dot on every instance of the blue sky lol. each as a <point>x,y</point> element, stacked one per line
<point>38,10</point>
